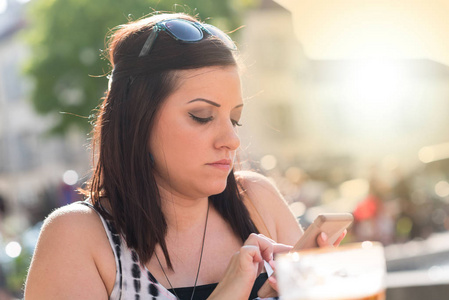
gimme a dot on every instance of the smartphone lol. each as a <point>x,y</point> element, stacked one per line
<point>333,224</point>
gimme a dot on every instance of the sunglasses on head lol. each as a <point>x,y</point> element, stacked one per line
<point>185,31</point>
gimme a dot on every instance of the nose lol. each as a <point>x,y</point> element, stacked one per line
<point>228,137</point>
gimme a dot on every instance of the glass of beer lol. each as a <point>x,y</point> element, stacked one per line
<point>354,271</point>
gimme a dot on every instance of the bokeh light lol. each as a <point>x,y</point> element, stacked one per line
<point>433,153</point>
<point>70,177</point>
<point>13,249</point>
<point>294,174</point>
<point>268,162</point>
<point>442,189</point>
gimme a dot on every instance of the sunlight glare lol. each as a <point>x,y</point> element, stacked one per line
<point>374,94</point>
<point>381,29</point>
<point>375,82</point>
<point>3,6</point>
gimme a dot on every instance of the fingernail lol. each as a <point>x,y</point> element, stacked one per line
<point>324,236</point>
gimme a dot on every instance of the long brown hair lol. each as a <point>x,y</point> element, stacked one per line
<point>122,165</point>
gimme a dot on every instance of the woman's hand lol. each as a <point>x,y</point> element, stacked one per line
<point>246,265</point>
<point>322,240</point>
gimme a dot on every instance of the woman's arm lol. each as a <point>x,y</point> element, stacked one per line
<point>283,226</point>
<point>63,265</point>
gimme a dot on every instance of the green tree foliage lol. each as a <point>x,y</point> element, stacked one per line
<point>66,38</point>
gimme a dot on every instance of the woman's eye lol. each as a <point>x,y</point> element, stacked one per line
<point>201,120</point>
<point>235,123</point>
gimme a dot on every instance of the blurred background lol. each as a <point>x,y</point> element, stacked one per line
<point>347,110</point>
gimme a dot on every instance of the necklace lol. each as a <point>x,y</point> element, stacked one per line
<point>199,264</point>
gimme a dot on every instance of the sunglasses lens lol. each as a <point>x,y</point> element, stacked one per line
<point>184,31</point>
<point>221,35</point>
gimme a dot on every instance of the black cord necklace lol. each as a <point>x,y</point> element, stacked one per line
<point>199,264</point>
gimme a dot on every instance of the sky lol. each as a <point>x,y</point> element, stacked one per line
<point>357,29</point>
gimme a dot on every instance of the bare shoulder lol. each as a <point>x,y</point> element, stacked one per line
<point>256,185</point>
<point>67,256</point>
<point>71,215</point>
<point>271,205</point>
<point>71,222</point>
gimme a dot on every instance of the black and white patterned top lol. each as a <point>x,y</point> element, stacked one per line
<point>134,282</point>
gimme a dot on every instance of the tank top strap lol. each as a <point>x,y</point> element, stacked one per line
<point>115,241</point>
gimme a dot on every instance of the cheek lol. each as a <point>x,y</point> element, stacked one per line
<point>179,142</point>
<point>187,140</point>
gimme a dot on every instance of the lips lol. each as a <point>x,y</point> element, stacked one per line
<point>222,164</point>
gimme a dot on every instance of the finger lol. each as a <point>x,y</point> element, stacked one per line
<point>264,236</point>
<point>267,246</point>
<point>250,253</point>
<point>273,283</point>
<point>266,291</point>
<point>340,238</point>
<point>250,257</point>
<point>322,240</point>
<point>281,248</point>
<point>263,243</point>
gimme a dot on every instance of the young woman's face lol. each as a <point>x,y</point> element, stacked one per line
<point>194,138</point>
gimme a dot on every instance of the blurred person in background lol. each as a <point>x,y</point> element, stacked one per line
<point>165,216</point>
<point>372,219</point>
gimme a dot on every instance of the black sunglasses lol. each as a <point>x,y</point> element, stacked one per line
<point>185,31</point>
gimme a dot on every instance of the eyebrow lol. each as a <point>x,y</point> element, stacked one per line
<point>211,102</point>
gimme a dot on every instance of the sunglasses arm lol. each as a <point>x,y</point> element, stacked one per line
<point>149,42</point>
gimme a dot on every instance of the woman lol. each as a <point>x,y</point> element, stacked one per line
<point>166,217</point>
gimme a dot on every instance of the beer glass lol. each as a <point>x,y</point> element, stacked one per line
<point>350,272</point>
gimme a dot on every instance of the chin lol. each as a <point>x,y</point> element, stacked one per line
<point>216,188</point>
